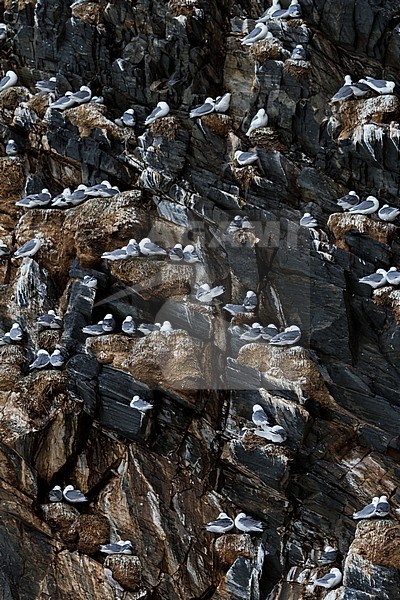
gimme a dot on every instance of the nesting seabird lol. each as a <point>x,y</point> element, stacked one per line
<point>129,326</point>
<point>366,207</point>
<point>393,276</point>
<point>388,213</point>
<point>293,11</point>
<point>269,332</point>
<point>108,323</point>
<point>247,524</point>
<point>97,100</point>
<point>16,333</point>
<point>96,329</point>
<point>248,305</point>
<point>147,328</point>
<point>259,120</point>
<point>62,200</point>
<point>330,580</point>
<point>290,336</point>
<point>245,158</point>
<point>55,494</point>
<point>11,148</point>
<point>41,361</point>
<point>46,86</point>
<point>235,225</point>
<point>119,254</point>
<point>121,547</point>
<point>260,32</point>
<point>9,80</point>
<point>73,496</point>
<point>166,327</point>
<point>84,95</point>
<point>148,248</point>
<point>29,248</point>
<point>139,404</point>
<point>4,249</point>
<point>375,280</point>
<point>382,508</point>
<point>205,109</point>
<point>5,340</point>
<point>190,255</point>
<point>380,86</point>
<point>128,119</point>
<point>161,110</point>
<point>89,281</point>
<point>328,556</point>
<point>35,200</point>
<point>368,511</point>
<point>275,6</point>
<point>206,294</point>
<point>176,253</point>
<point>222,103</point>
<point>133,249</point>
<point>3,32</point>
<point>298,53</point>
<point>360,89</point>
<point>50,320</point>
<point>259,416</point>
<point>57,359</point>
<point>275,434</point>
<point>307,220</point>
<point>251,334</point>
<point>348,200</point>
<point>64,102</point>
<point>223,524</point>
<point>345,92</point>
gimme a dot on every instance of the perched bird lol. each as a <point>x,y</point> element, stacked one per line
<point>56,359</point>
<point>248,524</point>
<point>176,253</point>
<point>308,220</point>
<point>5,340</point>
<point>55,494</point>
<point>330,580</point>
<point>4,250</point>
<point>64,102</point>
<point>147,328</point>
<point>62,200</point>
<point>375,280</point>
<point>41,361</point>
<point>222,103</point>
<point>388,213</point>
<point>380,86</point>
<point>274,434</point>
<point>260,32</point>
<point>393,276</point>
<point>84,95</point>
<point>251,334</point>
<point>121,547</point>
<point>133,249</point>
<point>50,320</point>
<point>108,323</point>
<point>349,200</point>
<point>366,207</point>
<point>204,109</point>
<point>129,326</point>
<point>235,225</point>
<point>78,196</point>
<point>96,329</point>
<point>3,32</point>
<point>9,80</point>
<point>73,496</point>
<point>245,158</point>
<point>293,11</point>
<point>290,336</point>
<point>259,416</point>
<point>360,89</point>
<point>248,305</point>
<point>29,248</point>
<point>166,327</point>
<point>206,294</point>
<point>128,119</point>
<point>382,508</point>
<point>16,333</point>
<point>328,556</point>
<point>223,524</point>
<point>35,200</point>
<point>147,248</point>
<point>275,6</point>
<point>11,148</point>
<point>259,120</point>
<point>97,100</point>
<point>298,53</point>
<point>119,254</point>
<point>269,332</point>
<point>368,511</point>
<point>190,255</point>
<point>345,92</point>
<point>141,405</point>
<point>161,110</point>
<point>46,86</point>
<point>89,281</point>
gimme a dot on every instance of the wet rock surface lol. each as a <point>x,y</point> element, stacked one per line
<point>157,478</point>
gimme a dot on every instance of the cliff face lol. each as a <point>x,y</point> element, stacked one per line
<point>156,479</point>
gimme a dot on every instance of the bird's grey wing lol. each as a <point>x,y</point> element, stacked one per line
<point>220,523</point>
<point>365,512</point>
<point>154,113</point>
<point>250,522</point>
<point>326,578</point>
<point>253,34</point>
<point>344,93</point>
<point>75,495</point>
<point>203,109</point>
<point>27,247</point>
<point>4,81</point>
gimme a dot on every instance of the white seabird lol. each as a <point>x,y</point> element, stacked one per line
<point>205,109</point>
<point>148,248</point>
<point>307,220</point>
<point>275,6</point>
<point>260,32</point>
<point>16,333</point>
<point>293,11</point>
<point>190,255</point>
<point>176,253</point>
<point>223,524</point>
<point>89,281</point>
<point>129,326</point>
<point>96,329</point>
<point>349,200</point>
<point>206,294</point>
<point>298,53</point>
<point>51,320</point>
<point>55,494</point>
<point>222,103</point>
<point>368,511</point>
<point>4,249</point>
<point>380,86</point>
<point>330,580</point>
<point>147,328</point>
<point>245,158</point>
<point>9,80</point>
<point>64,102</point>
<point>41,361</point>
<point>141,405</point>
<point>248,524</point>
<point>121,547</point>
<point>290,336</point>
<point>259,120</point>
<point>84,95</point>
<point>118,254</point>
<point>3,32</point>
<point>375,280</point>
<point>269,332</point>
<point>133,249</point>
<point>251,334</point>
<point>29,248</point>
<point>235,225</point>
<point>259,416</point>
<point>166,327</point>
<point>11,148</point>
<point>393,276</point>
<point>46,86</point>
<point>382,508</point>
<point>161,110</point>
<point>248,305</point>
<point>388,213</point>
<point>56,359</point>
<point>108,323</point>
<point>366,207</point>
<point>73,496</point>
<point>328,556</point>
<point>345,92</point>
<point>128,119</point>
<point>275,434</point>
